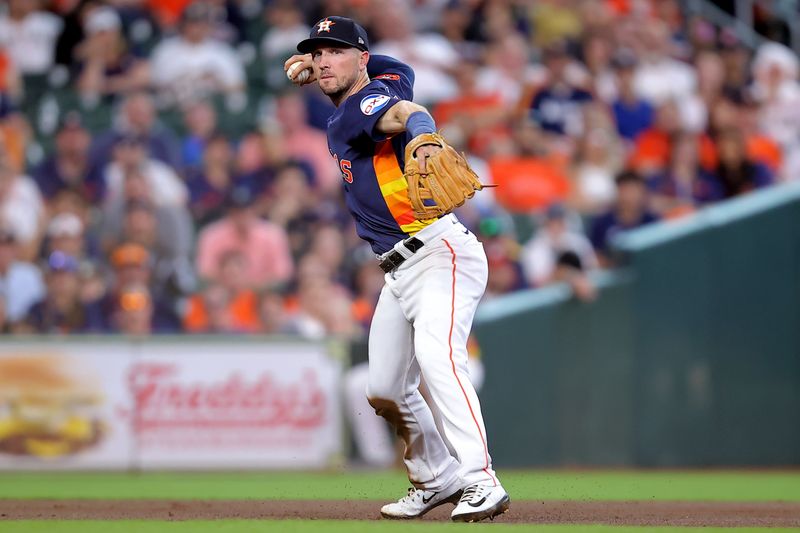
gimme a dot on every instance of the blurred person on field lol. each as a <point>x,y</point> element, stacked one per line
<point>539,256</point>
<point>200,119</point>
<point>131,156</point>
<point>430,55</point>
<point>557,105</point>
<point>69,167</point>
<point>631,210</point>
<point>21,282</point>
<point>62,311</point>
<point>136,117</point>
<point>133,312</point>
<point>21,207</point>
<point>736,173</point>
<point>29,33</point>
<point>108,67</point>
<point>264,244</point>
<point>228,306</point>
<point>194,64</point>
<point>303,143</point>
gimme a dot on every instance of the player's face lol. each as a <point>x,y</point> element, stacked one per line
<point>338,69</point>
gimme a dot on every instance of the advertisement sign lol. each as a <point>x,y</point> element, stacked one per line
<point>169,404</point>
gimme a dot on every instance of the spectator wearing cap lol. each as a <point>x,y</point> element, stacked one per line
<point>193,64</point>
<point>29,34</point>
<point>69,166</point>
<point>65,234</point>
<point>21,207</point>
<point>131,156</point>
<point>631,210</point>
<point>264,244</point>
<point>108,66</point>
<point>132,265</point>
<point>21,282</point>
<point>137,118</point>
<point>557,106</point>
<point>539,256</point>
<point>62,311</point>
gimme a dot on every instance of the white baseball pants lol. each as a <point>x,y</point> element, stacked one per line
<point>419,330</point>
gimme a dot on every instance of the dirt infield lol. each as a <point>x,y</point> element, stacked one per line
<point>640,513</point>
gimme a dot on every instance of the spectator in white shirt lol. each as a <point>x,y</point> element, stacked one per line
<point>21,283</point>
<point>21,207</point>
<point>29,35</point>
<point>193,64</point>
<point>540,255</point>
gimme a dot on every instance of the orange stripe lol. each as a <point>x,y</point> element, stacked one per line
<point>387,170</point>
<point>453,363</point>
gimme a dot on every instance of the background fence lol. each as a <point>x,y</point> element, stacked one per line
<point>690,356</point>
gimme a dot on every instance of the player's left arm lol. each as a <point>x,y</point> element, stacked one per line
<point>413,118</point>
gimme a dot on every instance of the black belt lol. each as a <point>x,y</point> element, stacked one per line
<point>395,258</point>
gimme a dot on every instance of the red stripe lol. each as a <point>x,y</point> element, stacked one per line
<point>453,364</point>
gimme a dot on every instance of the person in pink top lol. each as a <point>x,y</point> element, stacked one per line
<point>263,244</point>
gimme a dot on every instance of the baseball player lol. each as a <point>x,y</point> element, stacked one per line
<point>436,273</point>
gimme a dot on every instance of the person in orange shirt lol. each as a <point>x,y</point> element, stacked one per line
<point>227,306</point>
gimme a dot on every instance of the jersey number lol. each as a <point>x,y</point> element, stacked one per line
<point>344,166</point>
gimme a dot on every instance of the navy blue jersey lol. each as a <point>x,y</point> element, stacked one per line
<point>376,192</point>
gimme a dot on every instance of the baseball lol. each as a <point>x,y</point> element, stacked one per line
<point>302,77</point>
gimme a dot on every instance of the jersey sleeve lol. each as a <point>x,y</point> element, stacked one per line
<point>395,74</point>
<point>363,111</point>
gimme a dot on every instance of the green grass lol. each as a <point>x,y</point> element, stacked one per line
<point>328,526</point>
<point>527,485</point>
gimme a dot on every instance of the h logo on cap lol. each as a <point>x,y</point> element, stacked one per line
<point>325,25</point>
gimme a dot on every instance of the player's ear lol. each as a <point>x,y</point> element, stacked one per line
<point>363,60</point>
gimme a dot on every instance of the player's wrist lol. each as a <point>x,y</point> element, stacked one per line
<point>419,123</point>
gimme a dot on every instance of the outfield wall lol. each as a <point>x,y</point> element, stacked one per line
<point>690,356</point>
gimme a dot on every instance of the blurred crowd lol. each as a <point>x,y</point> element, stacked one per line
<point>158,173</point>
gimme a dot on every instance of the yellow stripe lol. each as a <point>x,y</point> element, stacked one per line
<point>398,185</point>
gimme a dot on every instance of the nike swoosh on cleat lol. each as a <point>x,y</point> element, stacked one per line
<point>429,499</point>
<point>478,503</point>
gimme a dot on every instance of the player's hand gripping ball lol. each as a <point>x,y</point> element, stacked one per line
<point>300,78</point>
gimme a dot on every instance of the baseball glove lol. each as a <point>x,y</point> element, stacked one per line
<point>447,183</point>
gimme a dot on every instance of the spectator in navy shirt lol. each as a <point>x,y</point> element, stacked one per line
<point>629,211</point>
<point>69,167</point>
<point>736,173</point>
<point>557,107</point>
<point>632,114</point>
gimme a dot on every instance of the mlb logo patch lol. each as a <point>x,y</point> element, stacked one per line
<point>373,103</point>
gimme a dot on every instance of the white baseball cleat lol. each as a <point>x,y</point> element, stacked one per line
<point>480,501</point>
<point>418,502</point>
